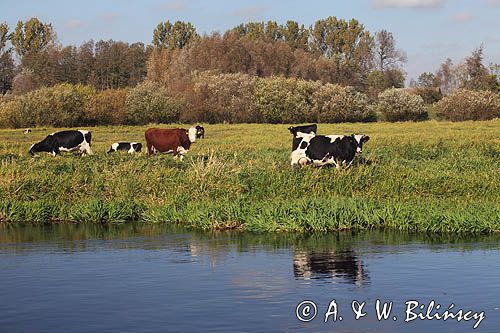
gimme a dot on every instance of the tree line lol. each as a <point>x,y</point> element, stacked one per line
<point>333,71</point>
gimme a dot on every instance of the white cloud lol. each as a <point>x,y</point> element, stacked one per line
<point>250,13</point>
<point>73,24</point>
<point>463,16</point>
<point>378,4</point>
<point>492,2</point>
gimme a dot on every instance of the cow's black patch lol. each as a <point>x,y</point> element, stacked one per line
<point>303,145</point>
<point>137,147</point>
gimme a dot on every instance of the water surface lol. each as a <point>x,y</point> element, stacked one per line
<point>140,278</point>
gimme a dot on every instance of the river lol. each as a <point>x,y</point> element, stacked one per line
<point>160,278</point>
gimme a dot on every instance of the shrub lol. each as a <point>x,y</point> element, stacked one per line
<point>59,106</point>
<point>335,104</point>
<point>399,105</point>
<point>283,100</point>
<point>107,107</point>
<point>469,105</point>
<point>220,98</point>
<point>8,112</point>
<point>429,95</point>
<point>148,103</point>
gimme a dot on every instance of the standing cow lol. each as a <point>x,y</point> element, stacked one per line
<point>64,141</point>
<point>170,140</point>
<point>321,150</point>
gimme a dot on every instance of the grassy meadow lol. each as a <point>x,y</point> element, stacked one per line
<point>429,176</point>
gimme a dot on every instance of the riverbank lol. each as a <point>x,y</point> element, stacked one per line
<point>430,176</point>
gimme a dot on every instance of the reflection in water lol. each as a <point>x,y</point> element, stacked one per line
<point>339,266</point>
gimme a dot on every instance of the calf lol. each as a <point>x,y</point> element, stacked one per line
<point>323,150</point>
<point>130,147</point>
<point>27,131</point>
<point>64,141</point>
<point>170,140</point>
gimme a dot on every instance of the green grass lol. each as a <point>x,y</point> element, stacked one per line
<point>430,176</point>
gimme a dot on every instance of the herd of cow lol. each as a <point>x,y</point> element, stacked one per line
<point>307,146</point>
<point>164,140</point>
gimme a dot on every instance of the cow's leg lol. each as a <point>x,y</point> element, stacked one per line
<point>182,152</point>
<point>337,164</point>
<point>175,151</point>
<point>150,149</point>
<point>55,152</point>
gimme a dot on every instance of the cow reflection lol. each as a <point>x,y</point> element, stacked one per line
<point>344,266</point>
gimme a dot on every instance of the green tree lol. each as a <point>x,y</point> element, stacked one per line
<point>295,35</point>
<point>426,80</point>
<point>7,67</point>
<point>476,74</point>
<point>32,36</point>
<point>333,36</point>
<point>386,53</point>
<point>174,36</point>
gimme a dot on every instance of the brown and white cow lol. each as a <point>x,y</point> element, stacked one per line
<point>170,140</point>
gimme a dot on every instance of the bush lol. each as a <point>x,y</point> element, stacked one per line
<point>399,105</point>
<point>218,98</point>
<point>59,106</point>
<point>149,103</point>
<point>107,107</point>
<point>8,112</point>
<point>429,95</point>
<point>335,104</point>
<point>283,100</point>
<point>469,105</point>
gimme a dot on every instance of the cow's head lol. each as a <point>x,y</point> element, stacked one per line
<point>192,134</point>
<point>200,132</point>
<point>43,146</point>
<point>360,139</point>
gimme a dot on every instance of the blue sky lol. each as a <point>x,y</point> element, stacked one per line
<point>428,30</point>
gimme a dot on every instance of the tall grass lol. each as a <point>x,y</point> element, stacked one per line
<point>429,176</point>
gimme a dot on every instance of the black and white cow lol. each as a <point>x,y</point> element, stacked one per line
<point>27,131</point>
<point>320,150</point>
<point>64,141</point>
<point>130,147</point>
<point>200,132</point>
<point>304,129</point>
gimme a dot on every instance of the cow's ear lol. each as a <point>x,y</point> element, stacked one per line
<point>366,138</point>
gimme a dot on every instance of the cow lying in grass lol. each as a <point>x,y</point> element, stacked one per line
<point>170,140</point>
<point>64,141</point>
<point>130,147</point>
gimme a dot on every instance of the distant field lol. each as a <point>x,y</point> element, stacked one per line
<point>429,176</point>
